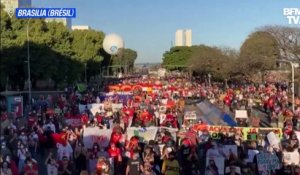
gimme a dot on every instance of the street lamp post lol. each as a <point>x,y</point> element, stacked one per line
<point>28,66</point>
<point>85,67</point>
<point>293,82</point>
<point>85,64</point>
<point>209,81</point>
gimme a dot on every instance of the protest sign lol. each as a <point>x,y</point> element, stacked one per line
<point>215,165</point>
<point>248,133</point>
<point>162,109</point>
<point>216,131</point>
<point>273,139</point>
<point>241,114</point>
<point>291,158</point>
<point>15,105</point>
<point>73,121</point>
<point>93,135</point>
<point>145,134</point>
<point>96,107</point>
<point>190,115</point>
<point>164,101</point>
<point>162,118</point>
<point>267,162</point>
<point>298,136</point>
<point>277,131</point>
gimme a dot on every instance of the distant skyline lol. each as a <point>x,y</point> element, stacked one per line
<point>149,26</point>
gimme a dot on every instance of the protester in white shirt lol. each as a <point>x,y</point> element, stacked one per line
<point>22,151</point>
<point>64,151</point>
<point>52,165</point>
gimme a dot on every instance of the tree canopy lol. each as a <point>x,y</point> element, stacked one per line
<point>55,52</point>
<point>258,53</point>
<point>178,55</point>
<point>202,59</point>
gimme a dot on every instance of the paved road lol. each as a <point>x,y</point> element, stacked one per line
<point>256,111</point>
<point>264,119</point>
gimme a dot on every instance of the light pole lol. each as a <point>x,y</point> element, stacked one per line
<point>85,64</point>
<point>209,81</point>
<point>293,81</point>
<point>85,78</point>
<point>28,66</point>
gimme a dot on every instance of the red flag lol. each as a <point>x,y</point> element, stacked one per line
<point>59,138</point>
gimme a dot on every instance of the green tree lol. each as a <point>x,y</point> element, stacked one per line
<point>55,52</point>
<point>211,60</point>
<point>87,46</point>
<point>258,53</point>
<point>178,55</point>
<point>125,57</point>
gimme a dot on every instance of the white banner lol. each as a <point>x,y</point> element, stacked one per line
<point>95,134</point>
<point>97,107</point>
<point>173,131</point>
<point>117,106</point>
<point>145,134</point>
<point>74,122</point>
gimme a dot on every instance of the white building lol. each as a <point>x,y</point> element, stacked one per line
<point>66,21</point>
<point>81,27</point>
<point>188,37</point>
<point>11,5</point>
<point>179,38</point>
<point>183,37</point>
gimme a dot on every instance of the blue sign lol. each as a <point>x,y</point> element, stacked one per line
<point>45,12</point>
<point>15,105</point>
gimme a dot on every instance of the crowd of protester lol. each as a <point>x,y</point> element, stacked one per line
<point>26,147</point>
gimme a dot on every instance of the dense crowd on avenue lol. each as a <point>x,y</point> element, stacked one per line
<point>146,126</point>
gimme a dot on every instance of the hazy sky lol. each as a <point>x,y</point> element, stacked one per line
<point>148,26</point>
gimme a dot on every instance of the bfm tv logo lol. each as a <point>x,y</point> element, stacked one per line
<point>292,14</point>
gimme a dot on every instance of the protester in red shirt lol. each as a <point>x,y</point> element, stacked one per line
<point>115,152</point>
<point>84,118</point>
<point>31,168</point>
<point>12,165</point>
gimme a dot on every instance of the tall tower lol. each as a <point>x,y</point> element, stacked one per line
<point>183,37</point>
<point>179,38</point>
<point>188,37</point>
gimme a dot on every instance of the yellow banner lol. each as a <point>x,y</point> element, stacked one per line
<point>248,133</point>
